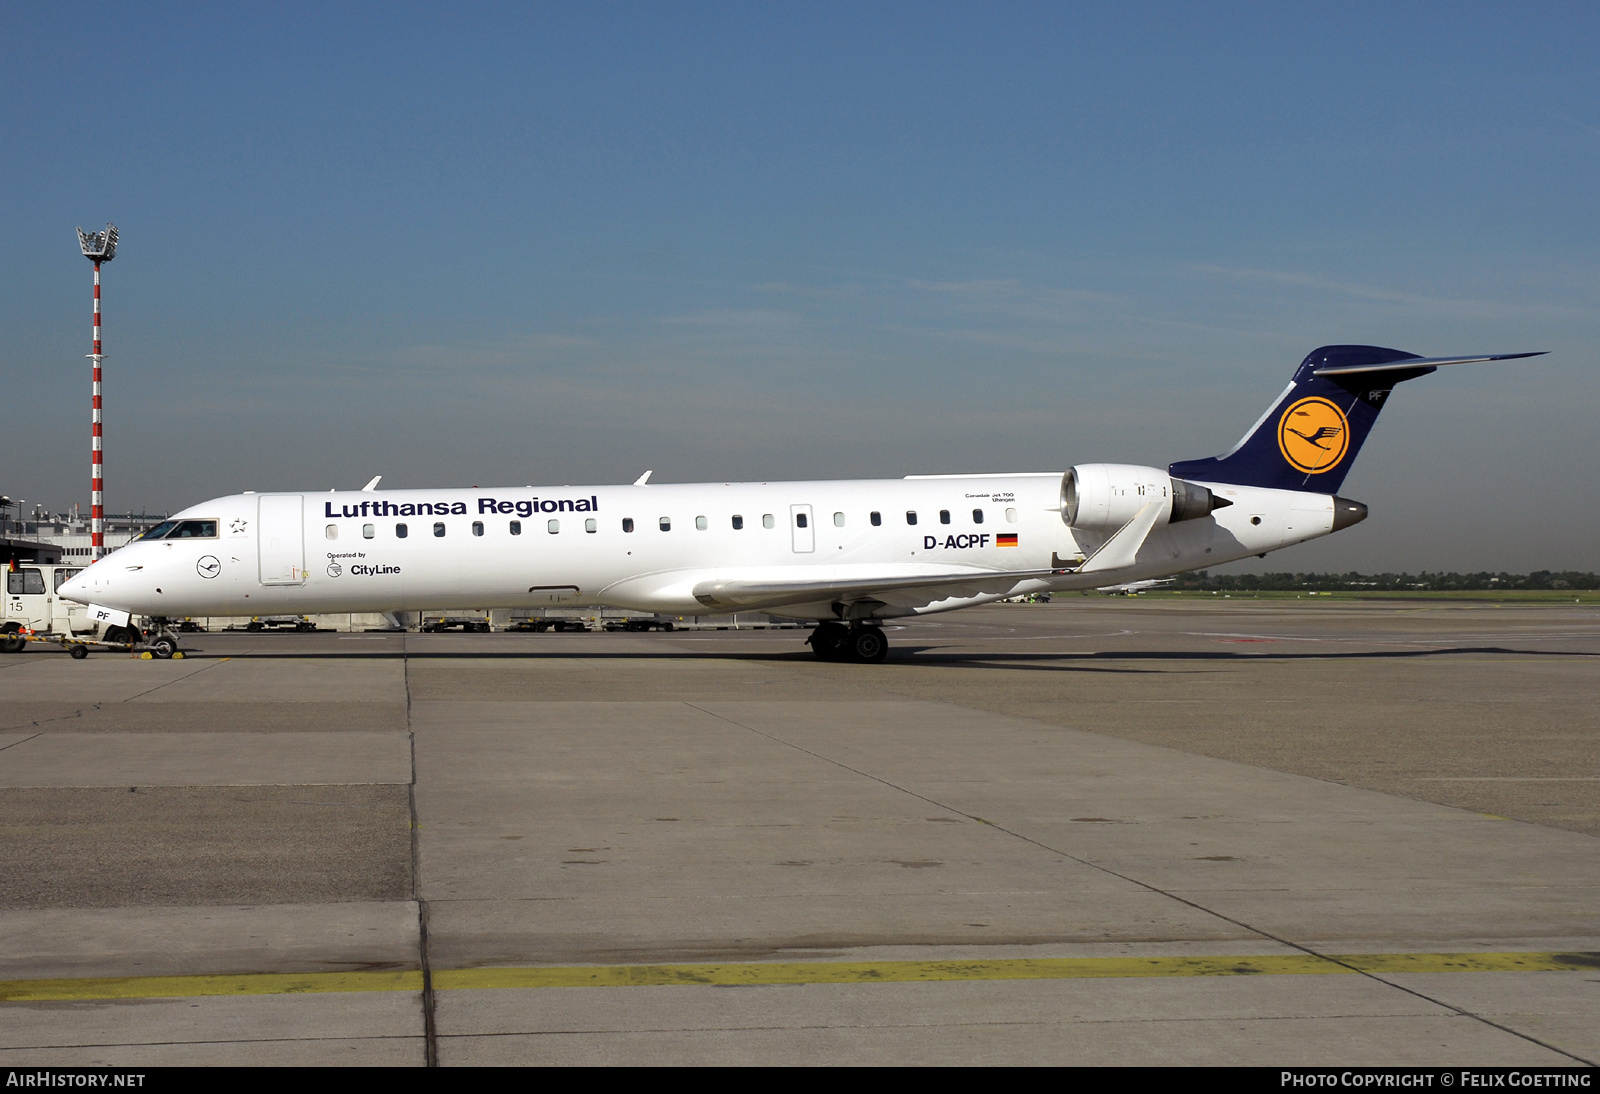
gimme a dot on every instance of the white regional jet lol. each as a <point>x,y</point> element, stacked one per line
<point>846,554</point>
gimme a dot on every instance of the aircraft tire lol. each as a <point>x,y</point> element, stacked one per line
<point>830,642</point>
<point>163,647</point>
<point>868,645</point>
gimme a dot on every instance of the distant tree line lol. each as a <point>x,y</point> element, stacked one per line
<point>1426,581</point>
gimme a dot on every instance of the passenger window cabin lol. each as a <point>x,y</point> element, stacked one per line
<point>401,531</point>
<point>369,531</point>
<point>767,521</point>
<point>944,516</point>
<point>477,527</point>
<point>977,516</point>
<point>911,516</point>
<point>738,522</point>
<point>876,518</point>
<point>627,524</point>
<point>838,520</point>
<point>666,524</point>
<point>516,527</point>
<point>590,525</point>
<point>553,527</point>
<point>700,524</point>
<point>332,531</point>
<point>438,529</point>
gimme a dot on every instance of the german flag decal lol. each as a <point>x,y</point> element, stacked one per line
<point>1006,539</point>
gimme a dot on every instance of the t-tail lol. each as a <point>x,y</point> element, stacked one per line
<point>1310,436</point>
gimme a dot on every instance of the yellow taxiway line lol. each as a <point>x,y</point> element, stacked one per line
<point>759,973</point>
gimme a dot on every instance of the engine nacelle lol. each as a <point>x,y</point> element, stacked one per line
<point>1102,497</point>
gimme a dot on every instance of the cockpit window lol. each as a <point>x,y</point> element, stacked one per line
<point>194,529</point>
<point>160,530</point>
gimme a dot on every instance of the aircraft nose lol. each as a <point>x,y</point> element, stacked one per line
<point>76,588</point>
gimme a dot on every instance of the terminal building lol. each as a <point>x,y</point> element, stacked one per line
<point>37,535</point>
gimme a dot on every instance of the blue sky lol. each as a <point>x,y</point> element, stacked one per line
<point>564,243</point>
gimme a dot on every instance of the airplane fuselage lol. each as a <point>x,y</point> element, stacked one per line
<point>660,548</point>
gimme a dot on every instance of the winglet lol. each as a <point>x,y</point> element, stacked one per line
<point>371,486</point>
<point>644,478</point>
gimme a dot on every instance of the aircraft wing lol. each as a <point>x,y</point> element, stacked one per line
<point>744,594</point>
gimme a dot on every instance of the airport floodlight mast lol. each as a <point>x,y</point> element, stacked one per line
<point>97,247</point>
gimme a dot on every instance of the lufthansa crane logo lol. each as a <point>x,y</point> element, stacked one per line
<point>1313,435</point>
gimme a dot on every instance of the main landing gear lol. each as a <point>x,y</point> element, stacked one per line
<point>862,642</point>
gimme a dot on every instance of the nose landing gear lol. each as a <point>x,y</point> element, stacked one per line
<point>862,642</point>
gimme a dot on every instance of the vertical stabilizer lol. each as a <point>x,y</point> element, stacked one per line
<point>1308,439</point>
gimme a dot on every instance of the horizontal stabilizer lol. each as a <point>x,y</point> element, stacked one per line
<point>1421,362</point>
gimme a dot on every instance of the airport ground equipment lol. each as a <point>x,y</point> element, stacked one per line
<point>638,623</point>
<point>280,623</point>
<point>466,623</point>
<point>539,626</point>
<point>33,604</point>
<point>158,646</point>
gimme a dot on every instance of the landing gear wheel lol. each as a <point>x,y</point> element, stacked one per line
<point>164,647</point>
<point>829,641</point>
<point>77,653</point>
<point>868,645</point>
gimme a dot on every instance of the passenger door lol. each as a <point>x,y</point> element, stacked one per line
<point>280,539</point>
<point>803,529</point>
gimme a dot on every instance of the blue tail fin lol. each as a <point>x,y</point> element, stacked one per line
<point>1309,438</point>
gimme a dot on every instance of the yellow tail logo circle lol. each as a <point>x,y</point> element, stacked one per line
<point>1313,435</point>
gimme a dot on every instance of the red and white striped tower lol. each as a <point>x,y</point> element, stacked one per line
<point>98,247</point>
